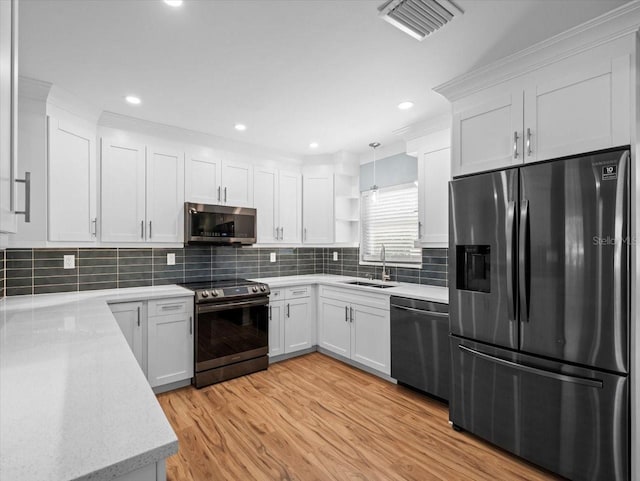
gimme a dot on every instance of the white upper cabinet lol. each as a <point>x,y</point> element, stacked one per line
<point>585,110</point>
<point>212,177</point>
<point>142,193</point>
<point>486,136</point>
<point>265,197</point>
<point>278,201</point>
<point>289,206</point>
<point>203,171</point>
<point>566,103</point>
<point>8,114</point>
<point>434,172</point>
<point>122,169</point>
<point>165,195</point>
<point>317,208</point>
<point>237,183</point>
<point>72,181</point>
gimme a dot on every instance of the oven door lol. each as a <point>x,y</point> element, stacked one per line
<point>230,332</point>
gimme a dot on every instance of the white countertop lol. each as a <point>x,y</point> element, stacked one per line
<point>74,404</point>
<point>402,289</point>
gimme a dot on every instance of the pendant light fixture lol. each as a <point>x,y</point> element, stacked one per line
<point>374,187</point>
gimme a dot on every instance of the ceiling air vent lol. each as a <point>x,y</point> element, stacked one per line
<point>418,18</point>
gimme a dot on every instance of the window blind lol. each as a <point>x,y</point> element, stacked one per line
<point>389,216</point>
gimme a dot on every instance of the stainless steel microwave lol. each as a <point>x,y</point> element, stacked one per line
<point>219,224</point>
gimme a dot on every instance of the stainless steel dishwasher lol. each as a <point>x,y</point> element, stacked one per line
<point>420,345</point>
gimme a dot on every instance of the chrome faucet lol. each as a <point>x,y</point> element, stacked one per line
<point>383,257</point>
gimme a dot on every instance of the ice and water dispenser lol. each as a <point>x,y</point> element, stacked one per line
<point>473,268</point>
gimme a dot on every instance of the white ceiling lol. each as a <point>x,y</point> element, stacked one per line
<point>294,71</point>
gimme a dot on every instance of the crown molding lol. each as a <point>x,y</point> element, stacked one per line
<point>34,89</point>
<point>424,127</point>
<point>172,133</point>
<point>618,23</point>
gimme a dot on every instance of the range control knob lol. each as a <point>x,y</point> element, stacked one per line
<point>205,293</point>
<point>254,288</point>
<point>263,287</point>
<point>214,293</point>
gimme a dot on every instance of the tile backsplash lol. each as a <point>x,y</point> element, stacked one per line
<point>39,271</point>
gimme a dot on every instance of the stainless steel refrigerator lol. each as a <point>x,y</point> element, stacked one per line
<point>539,312</point>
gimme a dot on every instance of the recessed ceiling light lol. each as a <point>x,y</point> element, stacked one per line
<point>132,99</point>
<point>173,3</point>
<point>241,127</point>
<point>405,105</point>
<point>313,145</point>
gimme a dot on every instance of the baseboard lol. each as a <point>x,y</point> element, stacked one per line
<point>356,364</point>
<point>171,386</point>
<point>284,357</point>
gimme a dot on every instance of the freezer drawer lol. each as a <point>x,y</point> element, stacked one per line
<point>420,354</point>
<point>570,420</point>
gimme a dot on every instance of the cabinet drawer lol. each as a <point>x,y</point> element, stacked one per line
<point>166,307</point>
<point>355,296</point>
<point>276,295</point>
<point>297,292</point>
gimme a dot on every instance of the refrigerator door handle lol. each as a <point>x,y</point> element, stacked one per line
<point>596,383</point>
<point>523,253</point>
<point>511,224</point>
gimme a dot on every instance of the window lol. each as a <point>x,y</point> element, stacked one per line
<point>389,216</point>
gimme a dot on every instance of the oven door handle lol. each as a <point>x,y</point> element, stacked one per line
<point>223,306</point>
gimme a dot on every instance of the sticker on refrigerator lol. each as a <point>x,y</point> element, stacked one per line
<point>610,172</point>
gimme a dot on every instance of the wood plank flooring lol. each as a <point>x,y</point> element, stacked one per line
<point>315,418</point>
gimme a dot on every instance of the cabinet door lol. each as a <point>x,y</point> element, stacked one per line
<point>129,316</point>
<point>488,136</point>
<point>334,326</point>
<point>165,195</point>
<point>297,325</point>
<point>122,171</point>
<point>581,112</point>
<point>264,195</point>
<point>8,114</point>
<point>170,350</point>
<point>276,328</point>
<point>237,184</point>
<point>290,206</point>
<point>203,172</point>
<point>72,182</point>
<point>434,175</point>
<point>370,337</point>
<point>317,205</point>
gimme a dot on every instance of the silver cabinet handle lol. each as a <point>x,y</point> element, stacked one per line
<point>302,291</point>
<point>304,234</point>
<point>141,229</point>
<point>138,316</point>
<point>515,145</point>
<point>346,313</point>
<point>27,197</point>
<point>172,307</point>
<point>219,193</point>
<point>288,310</point>
<point>276,233</point>
<point>94,222</point>
<point>190,325</point>
<point>419,230</point>
<point>528,141</point>
<point>281,233</point>
<point>270,313</point>
<point>149,229</point>
<point>351,314</point>
<point>225,194</point>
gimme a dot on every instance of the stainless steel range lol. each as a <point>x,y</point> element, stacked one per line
<point>232,329</point>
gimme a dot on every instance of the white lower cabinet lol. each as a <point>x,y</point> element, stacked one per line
<point>356,326</point>
<point>160,334</point>
<point>291,320</point>
<point>170,341</point>
<point>131,317</point>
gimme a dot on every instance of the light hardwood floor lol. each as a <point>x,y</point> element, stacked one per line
<point>315,418</point>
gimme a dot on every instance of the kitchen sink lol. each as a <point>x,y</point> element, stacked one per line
<point>369,284</point>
